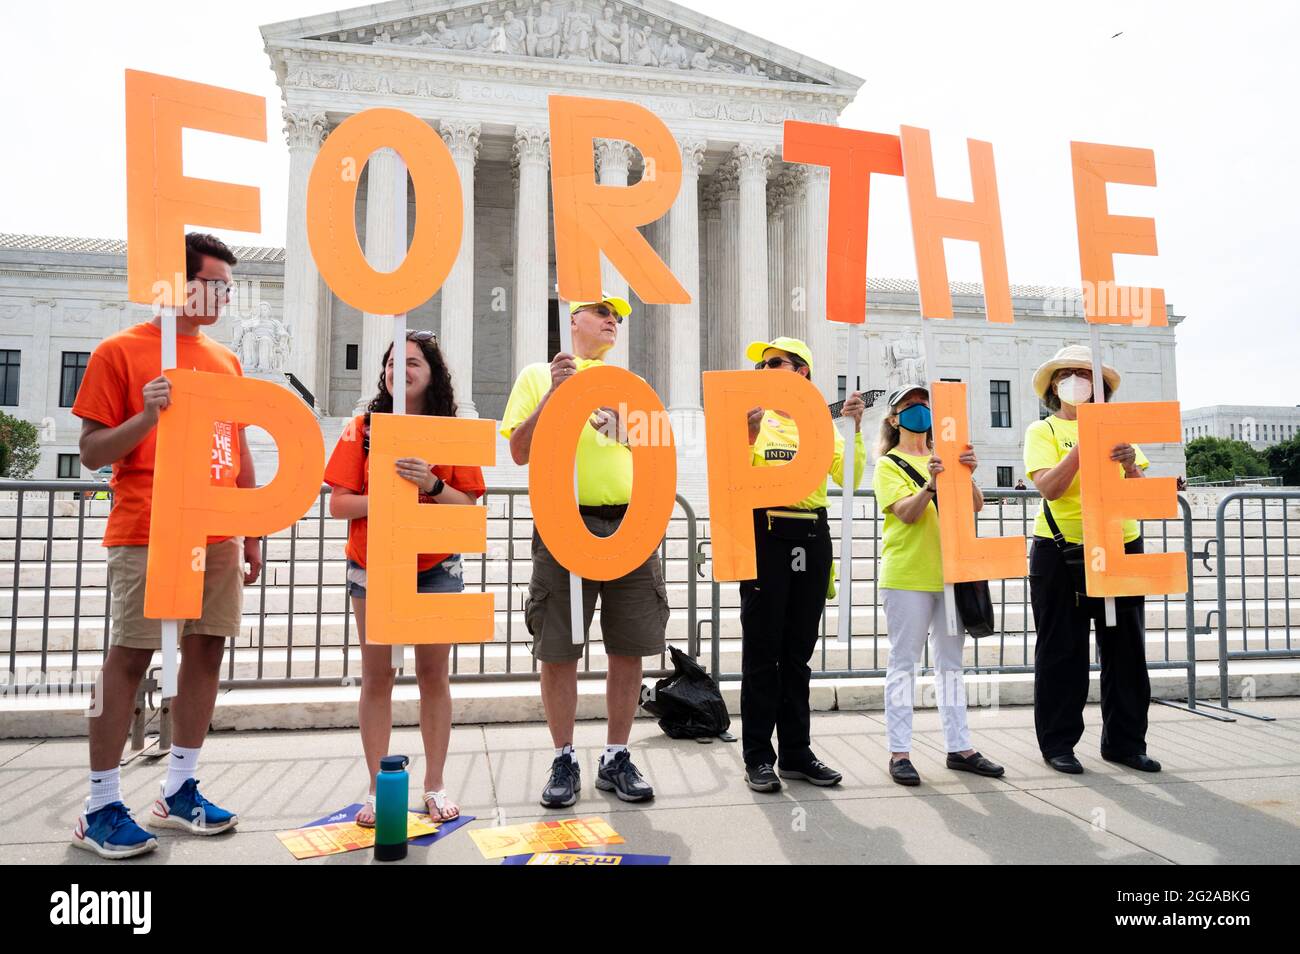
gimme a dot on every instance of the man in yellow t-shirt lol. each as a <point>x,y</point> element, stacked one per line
<point>633,608</point>
<point>1063,614</point>
<point>781,610</point>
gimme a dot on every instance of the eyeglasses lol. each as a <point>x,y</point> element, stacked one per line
<point>604,311</point>
<point>421,336</point>
<point>774,362</point>
<point>218,287</point>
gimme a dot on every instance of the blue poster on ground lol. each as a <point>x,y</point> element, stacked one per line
<point>581,857</point>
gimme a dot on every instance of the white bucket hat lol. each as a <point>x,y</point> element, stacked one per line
<point>1071,356</point>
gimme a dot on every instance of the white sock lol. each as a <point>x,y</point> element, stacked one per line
<point>180,769</point>
<point>611,751</point>
<point>567,750</point>
<point>105,788</point>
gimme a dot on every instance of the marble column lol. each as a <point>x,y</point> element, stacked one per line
<point>385,217</point>
<point>821,333</point>
<point>726,349</point>
<point>795,246</point>
<point>304,130</point>
<point>711,272</point>
<point>979,407</point>
<point>752,163</point>
<point>613,157</point>
<point>1026,363</point>
<point>652,323</point>
<point>457,336</point>
<point>532,248</point>
<point>776,304</point>
<point>684,320</point>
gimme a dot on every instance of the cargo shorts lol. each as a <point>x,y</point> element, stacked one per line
<point>633,608</point>
<point>223,595</point>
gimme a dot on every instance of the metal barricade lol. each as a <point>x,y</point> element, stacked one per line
<point>1009,650</point>
<point>1258,622</point>
<point>299,630</point>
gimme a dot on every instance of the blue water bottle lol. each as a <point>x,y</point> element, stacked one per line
<point>391,793</point>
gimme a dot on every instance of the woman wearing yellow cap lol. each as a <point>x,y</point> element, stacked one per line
<point>781,610</point>
<point>911,584</point>
<point>1063,615</point>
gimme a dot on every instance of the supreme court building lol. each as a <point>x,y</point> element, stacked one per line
<point>746,235</point>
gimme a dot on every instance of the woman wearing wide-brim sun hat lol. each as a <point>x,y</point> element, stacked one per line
<point>1063,614</point>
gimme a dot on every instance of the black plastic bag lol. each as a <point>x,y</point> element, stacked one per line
<point>688,703</point>
<point>974,607</point>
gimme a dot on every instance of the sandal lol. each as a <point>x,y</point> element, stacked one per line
<point>440,802</point>
<point>370,804</point>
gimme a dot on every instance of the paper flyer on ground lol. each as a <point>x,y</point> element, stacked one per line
<point>538,837</point>
<point>340,837</point>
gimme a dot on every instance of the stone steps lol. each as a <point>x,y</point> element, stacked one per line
<point>55,716</point>
<point>273,629</point>
<point>864,653</point>
<point>63,572</point>
<point>89,599</point>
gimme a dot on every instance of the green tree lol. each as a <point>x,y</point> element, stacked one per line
<point>1284,461</point>
<point>1216,458</point>
<point>22,449</point>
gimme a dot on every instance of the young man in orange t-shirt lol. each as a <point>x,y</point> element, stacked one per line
<point>119,403</point>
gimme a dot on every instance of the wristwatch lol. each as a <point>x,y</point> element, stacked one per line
<point>438,485</point>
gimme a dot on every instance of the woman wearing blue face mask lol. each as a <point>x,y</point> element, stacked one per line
<point>911,581</point>
<point>1063,613</point>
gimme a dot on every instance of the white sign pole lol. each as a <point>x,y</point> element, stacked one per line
<point>846,501</point>
<point>575,581</point>
<point>931,368</point>
<point>399,339</point>
<point>170,627</point>
<point>1099,396</point>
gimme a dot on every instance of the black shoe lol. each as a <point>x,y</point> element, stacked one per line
<point>563,786</point>
<point>622,778</point>
<point>903,772</point>
<point>1140,761</point>
<point>1065,763</point>
<point>815,771</point>
<point>761,778</point>
<point>976,763</point>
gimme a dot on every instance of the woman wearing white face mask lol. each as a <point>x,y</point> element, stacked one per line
<point>1062,613</point>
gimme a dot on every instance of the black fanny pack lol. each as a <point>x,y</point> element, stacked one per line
<point>974,601</point>
<point>787,523</point>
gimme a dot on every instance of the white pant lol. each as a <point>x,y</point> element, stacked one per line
<point>911,615</point>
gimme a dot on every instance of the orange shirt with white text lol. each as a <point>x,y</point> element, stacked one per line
<point>110,393</point>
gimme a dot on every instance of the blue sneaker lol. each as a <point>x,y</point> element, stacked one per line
<point>189,811</point>
<point>111,832</point>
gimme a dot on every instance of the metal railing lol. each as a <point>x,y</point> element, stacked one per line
<point>301,630</point>
<point>1265,613</point>
<point>1008,650</point>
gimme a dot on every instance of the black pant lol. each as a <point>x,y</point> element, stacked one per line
<point>1061,660</point>
<point>780,620</point>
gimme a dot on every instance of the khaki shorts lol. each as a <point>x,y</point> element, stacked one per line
<point>223,595</point>
<point>633,608</point>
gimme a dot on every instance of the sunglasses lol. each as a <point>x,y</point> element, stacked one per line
<point>421,336</point>
<point>604,311</point>
<point>774,363</point>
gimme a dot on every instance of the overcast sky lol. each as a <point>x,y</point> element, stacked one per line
<point>1211,87</point>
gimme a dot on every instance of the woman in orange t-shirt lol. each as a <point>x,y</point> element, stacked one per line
<point>428,391</point>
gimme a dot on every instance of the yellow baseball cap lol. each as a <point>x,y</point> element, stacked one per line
<point>619,305</point>
<point>790,345</point>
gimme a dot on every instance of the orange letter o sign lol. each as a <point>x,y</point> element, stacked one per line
<point>331,212</point>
